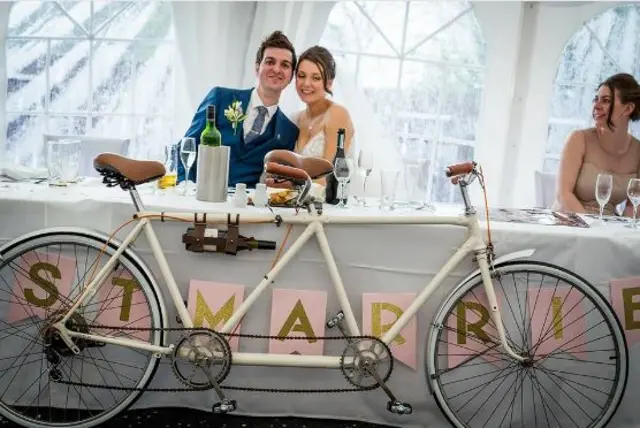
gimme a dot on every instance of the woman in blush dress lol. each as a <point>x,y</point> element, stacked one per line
<point>606,148</point>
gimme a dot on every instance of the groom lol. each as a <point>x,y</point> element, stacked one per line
<point>266,128</point>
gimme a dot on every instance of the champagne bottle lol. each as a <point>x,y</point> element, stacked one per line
<point>332,188</point>
<point>211,136</point>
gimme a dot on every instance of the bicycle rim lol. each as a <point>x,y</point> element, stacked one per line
<point>578,351</point>
<point>38,277</point>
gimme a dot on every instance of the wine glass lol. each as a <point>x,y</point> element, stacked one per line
<point>342,171</point>
<point>365,165</point>
<point>633,193</point>
<point>188,157</point>
<point>604,186</point>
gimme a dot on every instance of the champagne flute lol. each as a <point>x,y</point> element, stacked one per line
<point>188,157</point>
<point>633,193</point>
<point>365,165</point>
<point>342,171</point>
<point>604,186</point>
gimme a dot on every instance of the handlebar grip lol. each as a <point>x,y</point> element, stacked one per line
<point>459,169</point>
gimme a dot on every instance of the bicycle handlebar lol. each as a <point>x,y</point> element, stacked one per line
<point>460,169</point>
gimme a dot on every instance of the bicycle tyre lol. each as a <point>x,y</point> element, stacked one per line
<point>529,267</point>
<point>146,282</point>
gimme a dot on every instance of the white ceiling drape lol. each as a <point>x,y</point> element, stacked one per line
<point>217,44</point>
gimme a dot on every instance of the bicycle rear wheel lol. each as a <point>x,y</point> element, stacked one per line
<point>579,360</point>
<point>39,276</point>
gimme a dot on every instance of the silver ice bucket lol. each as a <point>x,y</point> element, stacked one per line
<point>213,173</point>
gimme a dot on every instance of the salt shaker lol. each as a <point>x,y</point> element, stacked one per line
<point>240,197</point>
<point>260,196</point>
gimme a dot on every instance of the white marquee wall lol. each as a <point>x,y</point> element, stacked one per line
<point>548,26</point>
<point>217,43</point>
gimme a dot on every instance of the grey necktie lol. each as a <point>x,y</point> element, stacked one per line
<point>256,129</point>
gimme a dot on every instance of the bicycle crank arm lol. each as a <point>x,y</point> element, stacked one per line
<point>393,406</point>
<point>225,405</point>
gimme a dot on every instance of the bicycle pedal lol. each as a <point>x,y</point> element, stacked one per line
<point>334,321</point>
<point>399,408</point>
<point>225,406</point>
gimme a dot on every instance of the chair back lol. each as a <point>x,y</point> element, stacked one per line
<point>545,189</point>
<point>90,147</point>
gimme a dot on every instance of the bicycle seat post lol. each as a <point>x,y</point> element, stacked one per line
<point>303,199</point>
<point>135,197</point>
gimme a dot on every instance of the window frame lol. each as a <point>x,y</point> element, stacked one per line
<point>88,115</point>
<point>439,118</point>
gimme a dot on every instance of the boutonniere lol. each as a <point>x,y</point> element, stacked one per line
<point>234,114</point>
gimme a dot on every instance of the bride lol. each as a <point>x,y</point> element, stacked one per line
<point>320,120</point>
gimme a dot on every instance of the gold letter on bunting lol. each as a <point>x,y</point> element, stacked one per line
<point>625,299</point>
<point>50,275</point>
<point>380,311</point>
<point>223,298</point>
<point>298,313</point>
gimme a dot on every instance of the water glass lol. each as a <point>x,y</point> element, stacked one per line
<point>63,161</point>
<point>365,166</point>
<point>633,193</point>
<point>604,186</point>
<point>171,167</point>
<point>415,183</point>
<point>389,182</point>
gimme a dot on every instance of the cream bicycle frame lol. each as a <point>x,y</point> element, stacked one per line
<point>314,226</point>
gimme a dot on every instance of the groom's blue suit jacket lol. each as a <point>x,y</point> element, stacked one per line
<point>246,160</point>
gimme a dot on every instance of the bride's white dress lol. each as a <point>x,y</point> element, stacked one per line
<point>315,146</point>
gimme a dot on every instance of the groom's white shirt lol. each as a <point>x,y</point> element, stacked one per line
<point>252,113</point>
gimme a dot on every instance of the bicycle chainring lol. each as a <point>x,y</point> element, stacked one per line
<point>362,356</point>
<point>201,350</point>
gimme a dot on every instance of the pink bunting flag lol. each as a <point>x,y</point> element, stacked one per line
<point>211,304</point>
<point>625,299</point>
<point>299,313</point>
<point>122,304</point>
<point>41,283</point>
<point>380,311</point>
<point>472,332</point>
<point>557,321</point>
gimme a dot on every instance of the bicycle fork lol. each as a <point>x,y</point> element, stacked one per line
<point>485,272</point>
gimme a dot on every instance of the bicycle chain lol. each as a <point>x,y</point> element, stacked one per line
<point>230,387</point>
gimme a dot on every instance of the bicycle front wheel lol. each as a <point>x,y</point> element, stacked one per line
<point>577,362</point>
<point>43,383</point>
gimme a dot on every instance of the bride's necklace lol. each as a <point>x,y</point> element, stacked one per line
<point>313,121</point>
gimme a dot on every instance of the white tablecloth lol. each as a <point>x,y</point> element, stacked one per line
<point>389,259</point>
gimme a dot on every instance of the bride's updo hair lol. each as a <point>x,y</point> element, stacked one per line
<point>324,60</point>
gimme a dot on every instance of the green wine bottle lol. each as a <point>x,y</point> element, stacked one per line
<point>211,136</point>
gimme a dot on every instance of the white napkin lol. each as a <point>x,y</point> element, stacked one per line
<point>19,172</point>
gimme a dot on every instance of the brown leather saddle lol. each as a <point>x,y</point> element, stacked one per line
<point>288,166</point>
<point>125,172</point>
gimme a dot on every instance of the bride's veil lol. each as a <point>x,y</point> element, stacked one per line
<point>372,132</point>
